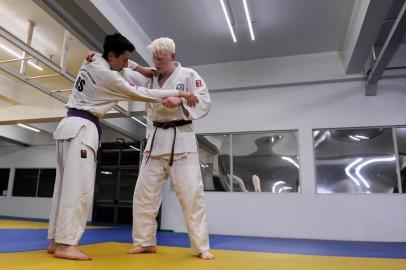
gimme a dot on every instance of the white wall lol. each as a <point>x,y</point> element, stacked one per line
<point>15,157</point>
<point>302,106</point>
<point>26,157</point>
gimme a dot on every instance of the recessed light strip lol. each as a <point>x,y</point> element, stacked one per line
<point>230,27</point>
<point>10,51</point>
<point>139,121</point>
<point>247,14</point>
<point>28,127</point>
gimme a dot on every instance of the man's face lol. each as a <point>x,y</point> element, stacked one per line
<point>117,63</point>
<point>163,61</point>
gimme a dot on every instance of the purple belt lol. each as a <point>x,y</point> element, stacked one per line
<point>86,115</point>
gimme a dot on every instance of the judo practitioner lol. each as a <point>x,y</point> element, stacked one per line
<point>97,89</point>
<point>171,151</point>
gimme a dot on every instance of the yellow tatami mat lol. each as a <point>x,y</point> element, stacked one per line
<point>112,256</point>
<point>22,224</point>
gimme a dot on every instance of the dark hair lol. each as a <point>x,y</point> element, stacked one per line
<point>116,44</point>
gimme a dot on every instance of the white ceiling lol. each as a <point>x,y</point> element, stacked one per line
<point>282,27</point>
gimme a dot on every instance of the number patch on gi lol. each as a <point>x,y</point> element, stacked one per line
<point>83,153</point>
<point>79,84</point>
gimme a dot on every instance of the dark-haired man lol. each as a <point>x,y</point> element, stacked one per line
<point>97,89</point>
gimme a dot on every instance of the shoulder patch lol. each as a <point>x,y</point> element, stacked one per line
<point>198,83</point>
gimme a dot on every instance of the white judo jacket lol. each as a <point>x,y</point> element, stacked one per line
<point>183,79</point>
<point>97,90</point>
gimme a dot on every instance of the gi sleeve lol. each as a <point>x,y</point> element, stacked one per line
<point>196,84</point>
<point>135,77</point>
<point>121,87</point>
<point>132,64</point>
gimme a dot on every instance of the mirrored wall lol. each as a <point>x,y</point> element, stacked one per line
<point>250,162</point>
<point>360,160</point>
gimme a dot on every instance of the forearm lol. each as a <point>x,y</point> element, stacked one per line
<point>141,93</point>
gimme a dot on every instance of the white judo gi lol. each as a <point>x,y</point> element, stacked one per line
<point>185,172</point>
<point>97,89</point>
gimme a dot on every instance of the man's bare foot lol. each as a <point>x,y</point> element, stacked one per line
<point>207,255</point>
<point>70,253</point>
<point>52,247</point>
<point>138,250</point>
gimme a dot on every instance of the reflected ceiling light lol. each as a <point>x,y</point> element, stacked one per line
<point>28,127</point>
<point>10,51</point>
<point>348,168</point>
<point>354,138</point>
<point>284,188</point>
<point>361,137</point>
<point>277,184</point>
<point>316,132</point>
<point>289,159</point>
<point>322,138</point>
<point>135,148</point>
<point>362,165</point>
<point>230,27</point>
<point>248,16</point>
<point>106,172</point>
<point>139,121</point>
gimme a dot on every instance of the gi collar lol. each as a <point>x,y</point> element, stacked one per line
<point>177,68</point>
<point>99,60</point>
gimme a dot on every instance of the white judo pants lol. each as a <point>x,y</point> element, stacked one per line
<point>187,183</point>
<point>73,192</point>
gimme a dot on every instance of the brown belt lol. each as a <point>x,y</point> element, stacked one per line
<point>166,125</point>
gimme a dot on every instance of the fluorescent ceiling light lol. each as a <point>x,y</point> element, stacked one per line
<point>139,121</point>
<point>10,51</point>
<point>230,27</point>
<point>135,148</point>
<point>28,127</point>
<point>247,15</point>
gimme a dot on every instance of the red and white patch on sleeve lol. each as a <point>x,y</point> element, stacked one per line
<point>198,83</point>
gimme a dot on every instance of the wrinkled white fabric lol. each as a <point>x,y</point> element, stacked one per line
<point>74,188</point>
<point>184,173</point>
<point>187,183</point>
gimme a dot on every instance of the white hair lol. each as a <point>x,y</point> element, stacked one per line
<point>164,44</point>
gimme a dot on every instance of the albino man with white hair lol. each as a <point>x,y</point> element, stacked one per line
<point>171,151</point>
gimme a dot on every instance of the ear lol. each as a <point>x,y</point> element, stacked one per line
<point>173,56</point>
<point>110,56</point>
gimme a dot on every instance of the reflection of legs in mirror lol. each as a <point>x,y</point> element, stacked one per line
<point>256,182</point>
